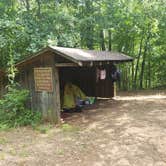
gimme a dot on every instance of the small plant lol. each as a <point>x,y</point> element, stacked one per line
<point>60,152</point>
<point>43,129</point>
<point>3,141</point>
<point>4,127</point>
<point>23,154</point>
<point>13,112</point>
<point>13,152</point>
<point>69,128</point>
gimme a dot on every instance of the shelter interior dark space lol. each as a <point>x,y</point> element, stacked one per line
<point>86,79</point>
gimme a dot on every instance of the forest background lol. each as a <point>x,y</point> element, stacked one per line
<point>134,27</point>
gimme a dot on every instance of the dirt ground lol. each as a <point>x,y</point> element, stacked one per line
<point>127,131</point>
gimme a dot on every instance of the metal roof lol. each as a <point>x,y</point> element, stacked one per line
<point>83,55</point>
<point>80,55</point>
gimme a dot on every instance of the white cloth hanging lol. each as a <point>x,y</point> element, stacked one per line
<point>102,74</point>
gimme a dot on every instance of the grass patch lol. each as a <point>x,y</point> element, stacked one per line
<point>60,152</point>
<point>4,127</point>
<point>69,128</point>
<point>43,129</point>
<point>13,152</point>
<point>23,154</point>
<point>2,156</point>
<point>3,141</point>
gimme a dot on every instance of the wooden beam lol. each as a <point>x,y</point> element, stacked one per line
<point>66,65</point>
<point>57,101</point>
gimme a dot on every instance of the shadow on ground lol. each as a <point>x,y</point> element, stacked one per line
<point>127,131</point>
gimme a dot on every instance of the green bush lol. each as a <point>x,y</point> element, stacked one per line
<point>13,111</point>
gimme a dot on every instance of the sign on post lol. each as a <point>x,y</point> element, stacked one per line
<point>43,79</point>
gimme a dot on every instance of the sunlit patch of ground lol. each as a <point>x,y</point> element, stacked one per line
<point>140,97</point>
<point>127,131</point>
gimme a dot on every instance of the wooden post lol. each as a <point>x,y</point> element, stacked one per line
<point>114,87</point>
<point>54,116</point>
<point>50,102</point>
<point>46,90</point>
<point>56,96</point>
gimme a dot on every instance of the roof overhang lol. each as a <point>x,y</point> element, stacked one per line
<point>85,56</point>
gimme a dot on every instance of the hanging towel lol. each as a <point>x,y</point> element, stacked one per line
<point>102,74</point>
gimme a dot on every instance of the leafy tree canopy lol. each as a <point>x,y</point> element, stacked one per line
<point>135,27</point>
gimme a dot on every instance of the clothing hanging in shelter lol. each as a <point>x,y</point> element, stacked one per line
<point>100,74</point>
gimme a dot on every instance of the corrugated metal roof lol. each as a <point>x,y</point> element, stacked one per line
<point>81,55</point>
<point>90,55</point>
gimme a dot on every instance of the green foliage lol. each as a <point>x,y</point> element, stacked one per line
<point>13,112</point>
<point>43,129</point>
<point>12,71</point>
<point>69,128</point>
<point>27,26</point>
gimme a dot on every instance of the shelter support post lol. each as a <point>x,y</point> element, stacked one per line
<point>114,89</point>
<point>56,96</point>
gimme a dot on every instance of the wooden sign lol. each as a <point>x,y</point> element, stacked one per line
<point>43,79</point>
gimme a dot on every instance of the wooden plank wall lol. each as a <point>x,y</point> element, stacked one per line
<point>106,88</point>
<point>85,78</point>
<point>47,102</point>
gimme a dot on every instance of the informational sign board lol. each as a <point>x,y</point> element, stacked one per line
<point>43,79</point>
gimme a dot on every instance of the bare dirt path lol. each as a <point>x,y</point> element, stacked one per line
<point>127,131</point>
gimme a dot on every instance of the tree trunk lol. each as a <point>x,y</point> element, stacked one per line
<point>132,67</point>
<point>138,59</point>
<point>102,41</point>
<point>149,74</point>
<point>39,8</point>
<point>89,38</point>
<point>27,5</point>
<point>89,26</point>
<point>143,60</point>
<point>109,40</point>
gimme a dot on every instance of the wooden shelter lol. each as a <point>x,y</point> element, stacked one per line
<point>45,72</point>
